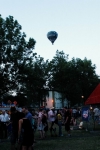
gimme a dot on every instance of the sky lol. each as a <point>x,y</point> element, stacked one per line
<point>77,23</point>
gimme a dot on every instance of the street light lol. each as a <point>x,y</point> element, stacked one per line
<point>82,96</point>
<point>82,99</point>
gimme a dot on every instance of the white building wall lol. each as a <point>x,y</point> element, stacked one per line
<point>58,100</point>
<point>55,99</point>
<point>49,100</point>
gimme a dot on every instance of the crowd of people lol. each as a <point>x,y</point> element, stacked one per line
<point>20,126</point>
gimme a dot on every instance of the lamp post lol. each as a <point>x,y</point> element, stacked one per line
<point>82,99</point>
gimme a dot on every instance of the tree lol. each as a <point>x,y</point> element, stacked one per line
<point>36,76</point>
<point>58,73</point>
<point>21,70</point>
<point>15,54</point>
<point>74,78</point>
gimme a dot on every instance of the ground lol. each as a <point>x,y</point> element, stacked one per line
<point>79,140</point>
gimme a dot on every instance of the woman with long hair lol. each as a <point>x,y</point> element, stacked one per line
<point>25,131</point>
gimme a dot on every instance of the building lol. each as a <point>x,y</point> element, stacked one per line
<point>54,99</point>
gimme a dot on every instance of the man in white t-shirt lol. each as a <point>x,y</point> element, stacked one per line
<point>51,116</point>
<point>4,118</point>
<point>51,120</point>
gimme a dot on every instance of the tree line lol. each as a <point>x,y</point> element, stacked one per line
<point>27,74</point>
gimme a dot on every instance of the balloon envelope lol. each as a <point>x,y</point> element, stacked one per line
<point>52,36</point>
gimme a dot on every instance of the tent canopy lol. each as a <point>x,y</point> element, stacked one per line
<point>94,98</point>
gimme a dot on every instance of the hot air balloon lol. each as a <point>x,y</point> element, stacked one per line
<point>52,36</point>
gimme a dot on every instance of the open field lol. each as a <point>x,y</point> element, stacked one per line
<point>79,140</point>
<point>74,143</point>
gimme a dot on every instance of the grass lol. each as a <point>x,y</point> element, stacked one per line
<point>84,143</point>
<point>80,140</point>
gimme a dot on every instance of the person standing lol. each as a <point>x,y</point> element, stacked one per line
<point>14,118</point>
<point>25,130</point>
<point>40,126</point>
<point>59,118</point>
<point>74,112</point>
<point>44,122</point>
<point>29,116</point>
<point>4,118</point>
<point>67,120</point>
<point>51,120</point>
<point>96,114</point>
